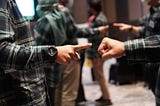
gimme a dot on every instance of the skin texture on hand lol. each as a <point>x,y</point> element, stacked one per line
<point>126,27</point>
<point>122,26</point>
<point>103,30</point>
<point>69,53</point>
<point>110,48</point>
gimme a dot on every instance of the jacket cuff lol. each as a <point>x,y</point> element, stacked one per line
<point>49,54</point>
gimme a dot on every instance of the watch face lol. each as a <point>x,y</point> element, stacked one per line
<point>52,51</point>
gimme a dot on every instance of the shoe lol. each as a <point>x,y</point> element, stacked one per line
<point>104,101</point>
<point>100,99</point>
<point>81,100</point>
<point>83,103</point>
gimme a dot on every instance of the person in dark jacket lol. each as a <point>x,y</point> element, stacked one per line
<point>56,26</point>
<point>150,27</point>
<point>140,50</point>
<point>97,18</point>
<point>22,80</point>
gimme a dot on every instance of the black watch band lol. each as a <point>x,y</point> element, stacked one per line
<point>52,51</point>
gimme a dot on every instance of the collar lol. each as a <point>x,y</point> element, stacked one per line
<point>155,8</point>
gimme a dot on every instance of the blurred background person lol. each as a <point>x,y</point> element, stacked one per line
<point>149,26</point>
<point>55,20</point>
<point>97,18</point>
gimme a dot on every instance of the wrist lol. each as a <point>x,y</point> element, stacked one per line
<point>52,51</point>
<point>131,28</point>
<point>47,53</point>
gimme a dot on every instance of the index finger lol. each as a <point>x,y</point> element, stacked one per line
<point>107,26</point>
<point>82,46</point>
<point>117,24</point>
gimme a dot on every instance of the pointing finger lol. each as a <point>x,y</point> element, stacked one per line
<point>82,46</point>
<point>117,24</point>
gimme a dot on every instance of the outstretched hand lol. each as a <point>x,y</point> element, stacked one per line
<point>110,48</point>
<point>103,30</point>
<point>69,53</point>
<point>122,26</point>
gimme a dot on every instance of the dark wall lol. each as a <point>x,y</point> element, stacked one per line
<point>122,10</point>
<point>80,11</point>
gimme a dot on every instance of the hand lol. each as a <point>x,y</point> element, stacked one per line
<point>103,30</point>
<point>110,48</point>
<point>61,7</point>
<point>122,26</point>
<point>69,53</point>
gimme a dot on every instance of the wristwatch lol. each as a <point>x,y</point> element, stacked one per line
<point>52,51</point>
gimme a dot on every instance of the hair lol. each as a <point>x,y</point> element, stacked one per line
<point>96,6</point>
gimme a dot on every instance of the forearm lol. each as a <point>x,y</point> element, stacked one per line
<point>87,32</point>
<point>135,30</point>
<point>143,50</point>
<point>21,57</point>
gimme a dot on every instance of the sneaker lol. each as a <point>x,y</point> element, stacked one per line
<point>104,101</point>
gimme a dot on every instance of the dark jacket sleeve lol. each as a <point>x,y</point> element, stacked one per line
<point>143,50</point>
